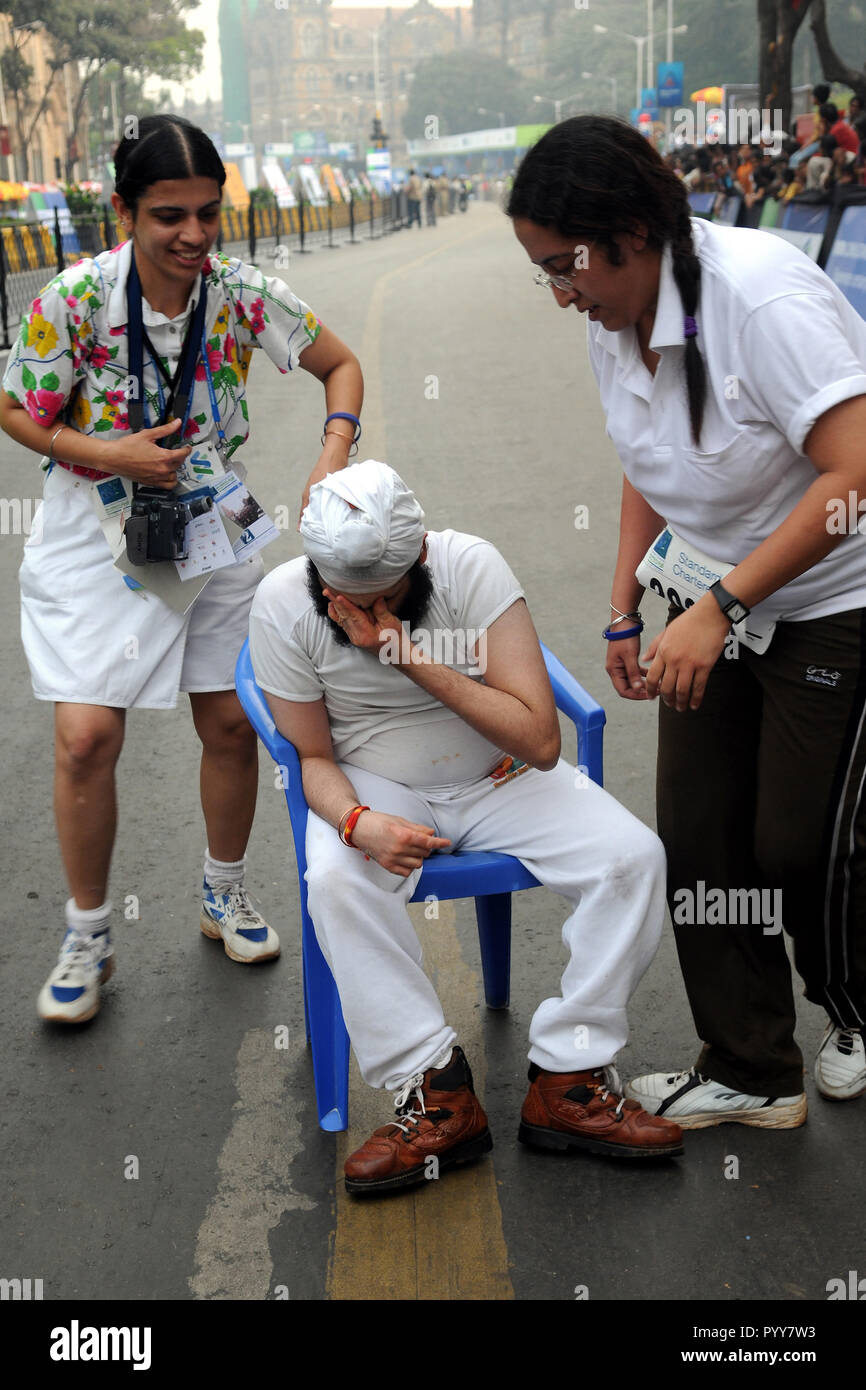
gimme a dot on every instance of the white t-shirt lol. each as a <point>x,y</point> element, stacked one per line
<point>781,345</point>
<point>380,719</point>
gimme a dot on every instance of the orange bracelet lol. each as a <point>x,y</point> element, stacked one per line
<point>348,823</point>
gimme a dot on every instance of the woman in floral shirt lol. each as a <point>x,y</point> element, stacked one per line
<point>97,646</point>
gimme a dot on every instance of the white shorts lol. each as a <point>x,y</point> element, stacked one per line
<point>89,639</point>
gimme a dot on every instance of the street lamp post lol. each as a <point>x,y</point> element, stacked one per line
<point>558,102</point>
<point>482,111</point>
<point>645,38</point>
<point>605,29</point>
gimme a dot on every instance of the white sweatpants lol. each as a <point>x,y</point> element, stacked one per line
<point>575,839</point>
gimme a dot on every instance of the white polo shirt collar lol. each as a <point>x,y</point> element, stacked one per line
<point>116,305</point>
<point>668,327</point>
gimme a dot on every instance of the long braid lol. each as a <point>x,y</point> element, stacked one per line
<point>687,275</point>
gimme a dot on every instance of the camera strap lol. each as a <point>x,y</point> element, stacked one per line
<point>180,397</point>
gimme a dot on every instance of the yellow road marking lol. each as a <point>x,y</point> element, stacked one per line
<point>444,1240</point>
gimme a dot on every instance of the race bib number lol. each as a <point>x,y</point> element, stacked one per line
<point>681,574</point>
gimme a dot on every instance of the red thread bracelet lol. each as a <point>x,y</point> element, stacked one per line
<point>346,830</point>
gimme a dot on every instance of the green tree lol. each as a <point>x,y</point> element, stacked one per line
<point>17,76</point>
<point>101,134</point>
<point>142,40</point>
<point>778,23</point>
<point>452,86</point>
<point>835,68</point>
<point>721,45</point>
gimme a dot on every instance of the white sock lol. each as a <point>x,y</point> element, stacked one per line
<point>87,920</point>
<point>219,874</point>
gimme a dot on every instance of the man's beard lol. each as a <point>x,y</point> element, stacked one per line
<point>411,610</point>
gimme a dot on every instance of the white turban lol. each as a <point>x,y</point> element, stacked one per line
<point>363,528</point>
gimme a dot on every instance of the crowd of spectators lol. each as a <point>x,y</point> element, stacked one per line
<point>437,193</point>
<point>782,170</point>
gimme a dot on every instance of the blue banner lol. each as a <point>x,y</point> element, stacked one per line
<point>649,97</point>
<point>846,264</point>
<point>670,84</point>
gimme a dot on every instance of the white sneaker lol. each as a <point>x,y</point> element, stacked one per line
<point>696,1102</point>
<point>71,992</point>
<point>840,1067</point>
<point>229,913</point>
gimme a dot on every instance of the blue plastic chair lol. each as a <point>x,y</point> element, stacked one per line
<point>489,878</point>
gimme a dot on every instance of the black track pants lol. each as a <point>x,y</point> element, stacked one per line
<point>760,799</point>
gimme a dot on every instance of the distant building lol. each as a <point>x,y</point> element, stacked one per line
<point>313,73</point>
<point>233,22</point>
<point>517,31</point>
<point>38,110</point>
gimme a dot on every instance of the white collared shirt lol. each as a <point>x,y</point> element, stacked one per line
<point>782,346</point>
<point>70,361</point>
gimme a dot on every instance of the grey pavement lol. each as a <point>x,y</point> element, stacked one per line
<point>479,392</point>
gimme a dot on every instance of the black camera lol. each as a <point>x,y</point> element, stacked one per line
<point>156,526</point>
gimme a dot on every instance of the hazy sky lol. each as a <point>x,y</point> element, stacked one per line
<point>206,17</point>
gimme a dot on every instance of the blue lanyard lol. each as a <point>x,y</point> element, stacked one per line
<point>217,418</point>
<point>182,390</point>
<point>221,435</point>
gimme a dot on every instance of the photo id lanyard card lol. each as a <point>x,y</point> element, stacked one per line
<point>113,497</point>
<point>230,531</point>
<point>680,573</point>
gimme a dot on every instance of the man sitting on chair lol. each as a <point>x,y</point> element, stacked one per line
<point>404,667</point>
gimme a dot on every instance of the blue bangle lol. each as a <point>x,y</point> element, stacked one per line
<point>344,415</point>
<point>618,636</point>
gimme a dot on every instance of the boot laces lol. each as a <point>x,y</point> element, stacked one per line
<point>406,1108</point>
<point>603,1092</point>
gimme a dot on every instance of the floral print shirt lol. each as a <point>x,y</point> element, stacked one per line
<point>70,363</point>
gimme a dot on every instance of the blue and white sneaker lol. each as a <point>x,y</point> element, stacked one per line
<point>228,913</point>
<point>71,992</point>
<point>696,1102</point>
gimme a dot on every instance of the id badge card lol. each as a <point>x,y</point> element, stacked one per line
<point>247,522</point>
<point>680,573</point>
<point>203,465</point>
<point>206,540</point>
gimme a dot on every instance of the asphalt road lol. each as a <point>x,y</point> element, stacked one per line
<point>480,394</point>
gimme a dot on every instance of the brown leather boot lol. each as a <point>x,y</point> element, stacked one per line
<point>575,1110</point>
<point>438,1118</point>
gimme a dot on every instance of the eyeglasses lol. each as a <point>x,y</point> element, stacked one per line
<point>563,280</point>
<point>560,282</point>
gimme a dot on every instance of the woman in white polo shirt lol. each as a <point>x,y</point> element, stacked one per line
<point>99,641</point>
<point>733,375</point>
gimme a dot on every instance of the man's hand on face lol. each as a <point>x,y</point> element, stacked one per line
<point>364,628</point>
